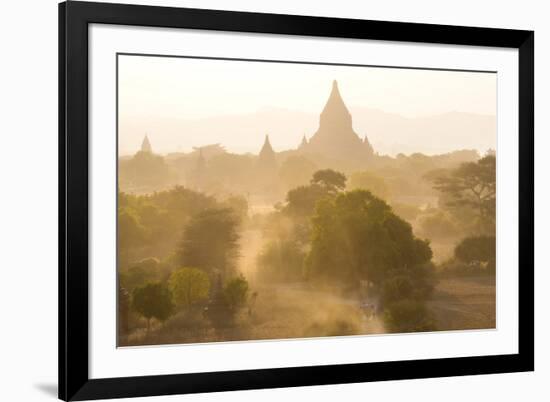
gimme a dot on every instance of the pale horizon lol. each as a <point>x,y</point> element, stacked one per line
<point>181,103</point>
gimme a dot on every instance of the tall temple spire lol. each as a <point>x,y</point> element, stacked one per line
<point>335,137</point>
<point>266,157</point>
<point>146,145</point>
<point>335,110</point>
<point>267,150</point>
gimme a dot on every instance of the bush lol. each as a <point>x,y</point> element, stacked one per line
<point>476,249</point>
<point>408,315</point>
<point>188,286</point>
<point>235,292</point>
<point>281,260</point>
<point>139,273</point>
<point>153,300</point>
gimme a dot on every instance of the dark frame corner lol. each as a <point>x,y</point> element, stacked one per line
<point>74,17</point>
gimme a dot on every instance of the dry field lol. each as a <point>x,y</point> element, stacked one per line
<point>464,303</point>
<point>297,311</point>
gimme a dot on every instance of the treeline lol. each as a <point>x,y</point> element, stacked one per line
<point>195,241</point>
<point>351,240</point>
<point>213,170</point>
<point>330,236</point>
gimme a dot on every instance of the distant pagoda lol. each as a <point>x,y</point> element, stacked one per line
<point>335,137</point>
<point>146,145</point>
<point>266,158</point>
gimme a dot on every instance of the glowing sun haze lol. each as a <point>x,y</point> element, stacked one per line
<point>182,102</point>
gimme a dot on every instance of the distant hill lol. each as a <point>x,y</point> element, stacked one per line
<point>388,133</point>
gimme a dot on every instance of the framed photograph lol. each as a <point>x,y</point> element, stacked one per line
<point>257,200</point>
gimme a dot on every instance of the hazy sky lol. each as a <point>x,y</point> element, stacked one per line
<point>155,90</point>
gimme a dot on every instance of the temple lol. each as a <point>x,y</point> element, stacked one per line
<point>335,137</point>
<point>266,158</point>
<point>146,145</point>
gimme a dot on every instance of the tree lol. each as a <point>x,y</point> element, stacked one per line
<point>131,234</point>
<point>357,236</point>
<point>188,286</point>
<point>235,292</point>
<point>369,181</point>
<point>151,224</point>
<point>139,273</point>
<point>472,185</point>
<point>301,201</point>
<point>238,204</point>
<point>153,300</point>
<point>210,241</point>
<point>476,249</point>
<point>331,180</point>
<point>408,315</point>
<point>145,171</point>
<point>281,260</point>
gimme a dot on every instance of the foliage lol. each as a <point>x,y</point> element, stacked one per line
<point>153,300</point>
<point>330,180</point>
<point>150,225</point>
<point>357,236</point>
<point>238,204</point>
<point>281,260</point>
<point>415,283</point>
<point>139,273</point>
<point>131,233</point>
<point>145,171</point>
<point>472,185</point>
<point>235,292</point>
<point>408,315</point>
<point>301,201</point>
<point>478,248</point>
<point>210,241</point>
<point>188,286</point>
<point>370,181</point>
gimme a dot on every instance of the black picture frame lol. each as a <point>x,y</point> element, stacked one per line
<point>74,18</point>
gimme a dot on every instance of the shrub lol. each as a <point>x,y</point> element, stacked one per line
<point>476,249</point>
<point>235,292</point>
<point>408,315</point>
<point>153,300</point>
<point>188,286</point>
<point>281,260</point>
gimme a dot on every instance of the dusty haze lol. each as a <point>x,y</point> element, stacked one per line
<point>181,103</point>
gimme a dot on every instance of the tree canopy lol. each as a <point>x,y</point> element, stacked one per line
<point>235,292</point>
<point>188,286</point>
<point>210,241</point>
<point>153,300</point>
<point>477,248</point>
<point>357,236</point>
<point>472,185</point>
<point>329,179</point>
